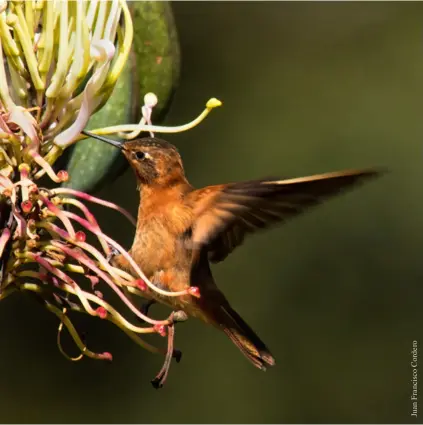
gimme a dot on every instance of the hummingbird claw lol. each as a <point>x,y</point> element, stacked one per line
<point>113,253</point>
<point>145,307</point>
<point>156,383</point>
<point>177,355</point>
<point>160,379</point>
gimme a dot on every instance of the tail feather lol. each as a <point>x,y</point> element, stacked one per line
<point>245,338</point>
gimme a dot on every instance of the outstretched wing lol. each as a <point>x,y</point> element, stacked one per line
<point>225,214</point>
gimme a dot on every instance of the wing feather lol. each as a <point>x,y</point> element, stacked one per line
<point>225,214</point>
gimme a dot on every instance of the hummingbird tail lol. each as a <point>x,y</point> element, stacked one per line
<point>245,338</point>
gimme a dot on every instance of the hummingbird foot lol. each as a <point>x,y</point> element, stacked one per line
<point>112,254</point>
<point>175,317</point>
<point>161,377</point>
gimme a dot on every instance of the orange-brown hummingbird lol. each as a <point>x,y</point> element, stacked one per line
<point>180,230</point>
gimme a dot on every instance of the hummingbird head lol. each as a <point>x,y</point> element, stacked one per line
<point>154,161</point>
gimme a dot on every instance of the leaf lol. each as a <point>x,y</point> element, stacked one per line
<point>156,53</point>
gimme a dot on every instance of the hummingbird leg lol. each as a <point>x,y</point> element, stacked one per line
<point>178,316</point>
<point>160,379</point>
<point>116,259</point>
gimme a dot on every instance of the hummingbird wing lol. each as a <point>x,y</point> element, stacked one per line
<point>225,214</point>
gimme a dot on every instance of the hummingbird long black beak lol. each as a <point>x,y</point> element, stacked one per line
<point>112,142</point>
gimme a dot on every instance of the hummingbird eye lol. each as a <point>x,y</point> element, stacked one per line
<point>140,155</point>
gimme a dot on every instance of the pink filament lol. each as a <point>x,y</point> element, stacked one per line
<point>60,215</point>
<point>5,236</point>
<point>115,245</point>
<point>99,201</point>
<point>83,259</point>
<point>118,318</point>
<point>90,217</point>
<point>45,166</point>
<point>67,279</point>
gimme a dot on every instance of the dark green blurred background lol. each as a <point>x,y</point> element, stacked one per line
<point>337,294</point>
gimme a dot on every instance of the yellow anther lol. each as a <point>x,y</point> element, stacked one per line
<point>24,167</point>
<point>213,103</point>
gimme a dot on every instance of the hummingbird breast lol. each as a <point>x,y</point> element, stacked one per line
<point>160,242</point>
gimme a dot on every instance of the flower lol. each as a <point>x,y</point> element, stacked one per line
<point>59,62</point>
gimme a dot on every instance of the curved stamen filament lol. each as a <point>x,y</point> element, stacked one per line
<point>90,264</point>
<point>90,198</point>
<point>45,166</point>
<point>118,318</point>
<point>123,275</point>
<point>87,247</point>
<point>123,324</point>
<point>59,214</point>
<point>59,341</point>
<point>63,276</point>
<point>66,321</point>
<point>211,104</point>
<point>113,314</point>
<point>122,251</point>
<point>89,216</point>
<point>74,334</point>
<point>150,101</point>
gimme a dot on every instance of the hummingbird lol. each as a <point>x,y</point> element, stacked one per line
<point>181,230</point>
